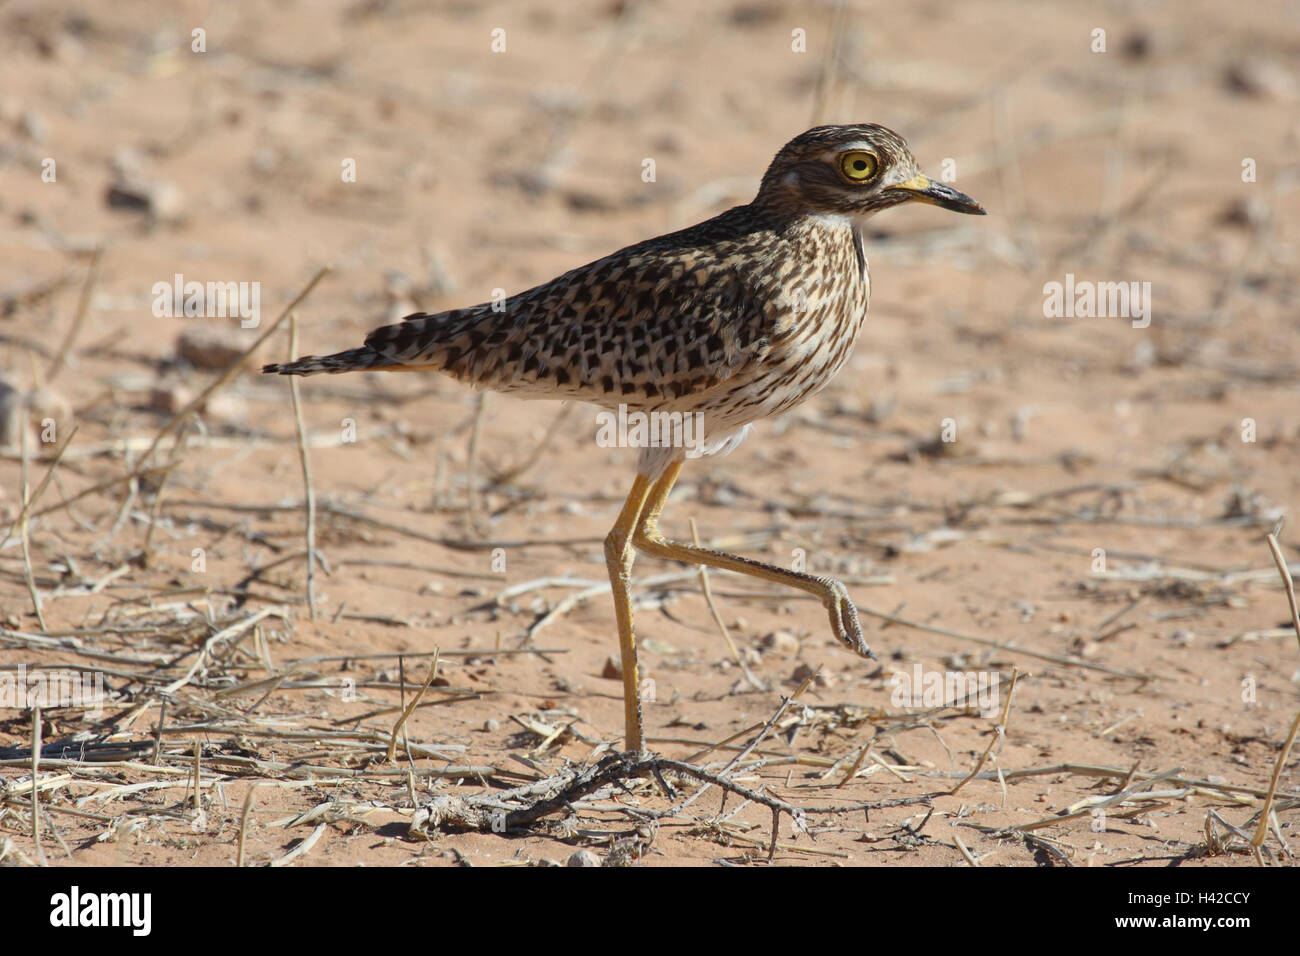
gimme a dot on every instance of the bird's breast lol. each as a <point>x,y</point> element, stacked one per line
<point>816,302</point>
<point>823,303</point>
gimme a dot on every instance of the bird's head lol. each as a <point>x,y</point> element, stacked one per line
<point>851,171</point>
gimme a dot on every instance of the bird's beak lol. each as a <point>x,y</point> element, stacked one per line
<point>922,188</point>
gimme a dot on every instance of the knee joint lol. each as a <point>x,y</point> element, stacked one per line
<point>616,548</point>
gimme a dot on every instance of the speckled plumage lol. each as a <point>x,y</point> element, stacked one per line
<point>738,318</point>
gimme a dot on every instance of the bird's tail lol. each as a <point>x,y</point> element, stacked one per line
<point>353,360</point>
<point>456,342</point>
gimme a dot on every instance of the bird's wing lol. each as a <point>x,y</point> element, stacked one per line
<point>652,323</point>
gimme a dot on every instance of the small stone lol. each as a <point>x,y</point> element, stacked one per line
<point>667,142</point>
<point>613,669</point>
<point>804,671</point>
<point>1261,78</point>
<point>45,413</point>
<point>45,403</point>
<point>1249,212</point>
<point>583,858</point>
<point>211,347</point>
<point>169,399</point>
<point>11,415</point>
<point>782,642</point>
<point>1137,45</point>
<point>161,201</point>
<point>491,725</point>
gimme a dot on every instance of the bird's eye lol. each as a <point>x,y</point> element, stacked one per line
<point>858,165</point>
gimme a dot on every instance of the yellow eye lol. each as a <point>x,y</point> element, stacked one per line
<point>858,165</point>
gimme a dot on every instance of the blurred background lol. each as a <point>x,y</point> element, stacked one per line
<point>430,153</point>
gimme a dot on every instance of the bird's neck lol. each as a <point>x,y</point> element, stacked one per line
<point>834,237</point>
<point>823,227</point>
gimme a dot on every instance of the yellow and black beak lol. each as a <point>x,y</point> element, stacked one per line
<point>921,188</point>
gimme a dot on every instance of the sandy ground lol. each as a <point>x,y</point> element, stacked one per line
<point>1073,500</point>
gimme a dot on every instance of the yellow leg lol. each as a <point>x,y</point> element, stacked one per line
<point>648,539</point>
<point>619,555</point>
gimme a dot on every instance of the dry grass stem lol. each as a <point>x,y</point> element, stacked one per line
<point>79,317</point>
<point>1265,816</point>
<point>999,733</point>
<point>304,459</point>
<point>409,708</point>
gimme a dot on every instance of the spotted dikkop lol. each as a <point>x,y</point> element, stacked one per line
<point>739,318</point>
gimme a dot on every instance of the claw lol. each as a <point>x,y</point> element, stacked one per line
<point>844,620</point>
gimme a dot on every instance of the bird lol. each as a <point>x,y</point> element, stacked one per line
<point>733,320</point>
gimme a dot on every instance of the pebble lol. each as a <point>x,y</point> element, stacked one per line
<point>783,642</point>
<point>43,406</point>
<point>1250,212</point>
<point>162,201</point>
<point>211,347</point>
<point>169,399</point>
<point>1261,78</point>
<point>803,672</point>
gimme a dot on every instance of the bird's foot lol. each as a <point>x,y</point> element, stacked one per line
<point>844,619</point>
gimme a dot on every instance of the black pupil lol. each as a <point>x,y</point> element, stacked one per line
<point>859,165</point>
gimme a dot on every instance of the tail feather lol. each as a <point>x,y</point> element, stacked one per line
<point>353,360</point>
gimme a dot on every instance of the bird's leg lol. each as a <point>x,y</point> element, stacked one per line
<point>619,555</point>
<point>648,539</point>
